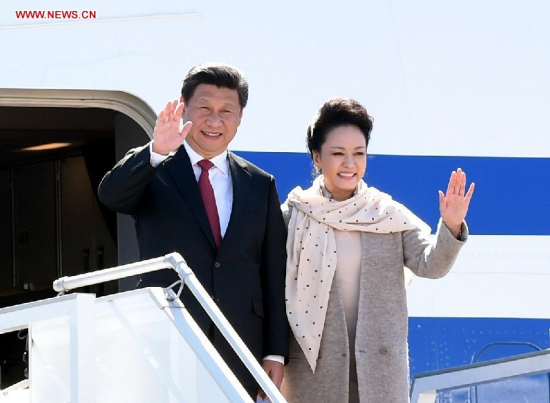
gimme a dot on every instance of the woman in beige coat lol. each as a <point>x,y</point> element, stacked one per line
<point>347,248</point>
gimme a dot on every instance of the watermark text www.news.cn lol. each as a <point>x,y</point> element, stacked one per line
<point>55,15</point>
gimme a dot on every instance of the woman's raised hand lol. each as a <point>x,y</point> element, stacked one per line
<point>167,135</point>
<point>454,204</point>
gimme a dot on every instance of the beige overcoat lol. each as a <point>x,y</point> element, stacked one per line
<point>382,323</point>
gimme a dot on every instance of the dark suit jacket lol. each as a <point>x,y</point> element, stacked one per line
<point>245,277</point>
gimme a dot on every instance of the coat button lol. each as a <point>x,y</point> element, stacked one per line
<point>217,265</point>
<point>383,351</point>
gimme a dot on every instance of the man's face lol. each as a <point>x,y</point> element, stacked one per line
<point>216,114</point>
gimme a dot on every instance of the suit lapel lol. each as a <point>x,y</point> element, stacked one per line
<point>180,170</point>
<point>242,188</point>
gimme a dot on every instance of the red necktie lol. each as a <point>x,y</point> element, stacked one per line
<point>209,200</point>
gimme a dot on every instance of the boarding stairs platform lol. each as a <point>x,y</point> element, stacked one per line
<point>135,346</point>
<point>430,387</point>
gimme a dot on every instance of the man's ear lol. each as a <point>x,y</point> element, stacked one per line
<point>240,116</point>
<point>181,98</point>
<point>184,107</point>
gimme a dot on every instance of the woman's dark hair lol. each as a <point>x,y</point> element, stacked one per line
<point>334,113</point>
<point>220,75</point>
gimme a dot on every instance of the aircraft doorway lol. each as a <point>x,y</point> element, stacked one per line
<point>51,221</point>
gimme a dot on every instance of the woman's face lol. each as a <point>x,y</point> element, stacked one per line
<point>342,160</point>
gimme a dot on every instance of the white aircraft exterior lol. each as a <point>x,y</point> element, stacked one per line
<point>449,84</point>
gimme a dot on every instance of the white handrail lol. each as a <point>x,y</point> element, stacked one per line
<point>115,273</point>
<point>176,262</point>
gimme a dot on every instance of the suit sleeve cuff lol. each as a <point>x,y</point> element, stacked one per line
<point>156,159</point>
<point>279,358</point>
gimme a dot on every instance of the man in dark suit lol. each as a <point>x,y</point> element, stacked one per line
<point>189,194</point>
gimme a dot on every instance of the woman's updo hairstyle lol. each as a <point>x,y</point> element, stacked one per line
<point>334,113</point>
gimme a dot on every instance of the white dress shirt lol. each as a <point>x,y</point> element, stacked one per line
<point>220,178</point>
<point>219,175</point>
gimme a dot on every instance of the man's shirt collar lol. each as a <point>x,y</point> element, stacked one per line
<point>220,161</point>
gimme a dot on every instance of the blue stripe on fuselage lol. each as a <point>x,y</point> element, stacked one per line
<point>512,195</point>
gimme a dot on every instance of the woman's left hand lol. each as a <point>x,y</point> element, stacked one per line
<point>454,205</point>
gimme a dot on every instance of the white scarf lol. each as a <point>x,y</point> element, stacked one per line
<point>312,254</point>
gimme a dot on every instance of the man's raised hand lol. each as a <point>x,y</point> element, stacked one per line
<point>167,135</point>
